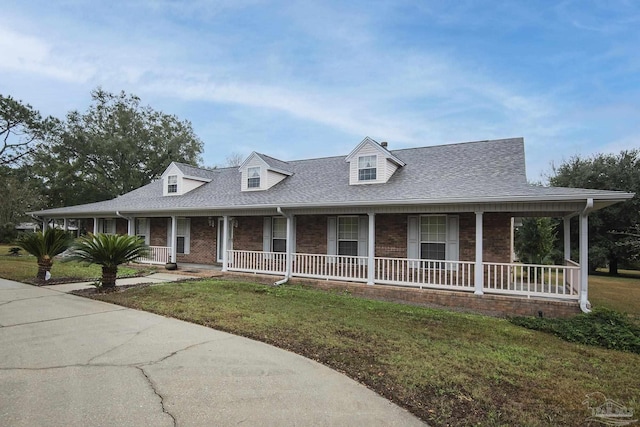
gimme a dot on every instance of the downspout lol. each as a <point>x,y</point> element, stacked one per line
<point>128,223</point>
<point>287,273</point>
<point>585,305</point>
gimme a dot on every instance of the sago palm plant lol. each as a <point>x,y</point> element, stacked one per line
<point>109,251</point>
<point>45,246</point>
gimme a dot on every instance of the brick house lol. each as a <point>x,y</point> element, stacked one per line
<point>438,217</point>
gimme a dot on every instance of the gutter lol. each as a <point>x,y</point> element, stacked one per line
<point>287,273</point>
<point>585,305</point>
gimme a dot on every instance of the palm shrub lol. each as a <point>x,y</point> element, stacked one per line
<point>45,246</point>
<point>109,251</point>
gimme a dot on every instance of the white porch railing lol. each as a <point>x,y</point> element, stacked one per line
<point>526,280</point>
<point>257,262</point>
<point>454,275</point>
<point>157,255</point>
<point>532,280</point>
<point>337,267</point>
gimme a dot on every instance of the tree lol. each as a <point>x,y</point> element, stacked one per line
<point>21,128</point>
<point>109,251</point>
<point>45,246</point>
<point>234,160</point>
<point>19,195</point>
<point>534,240</point>
<point>610,229</point>
<point>116,146</point>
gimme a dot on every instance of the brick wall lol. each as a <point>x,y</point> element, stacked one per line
<point>311,234</point>
<point>391,235</point>
<point>493,305</point>
<point>122,226</point>
<point>496,237</point>
<point>202,243</point>
<point>158,231</point>
<point>248,235</point>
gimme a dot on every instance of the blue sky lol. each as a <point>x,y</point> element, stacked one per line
<point>312,79</point>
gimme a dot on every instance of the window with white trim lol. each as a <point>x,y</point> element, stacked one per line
<point>142,229</point>
<point>279,235</point>
<point>433,237</point>
<point>348,227</point>
<point>367,168</point>
<point>183,235</point>
<point>172,184</point>
<point>108,226</point>
<point>253,177</point>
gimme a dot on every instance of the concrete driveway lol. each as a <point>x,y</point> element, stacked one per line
<point>71,361</point>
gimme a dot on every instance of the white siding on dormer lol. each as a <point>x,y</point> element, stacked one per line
<point>172,170</point>
<point>188,185</point>
<point>254,162</point>
<point>381,175</point>
<point>273,178</point>
<point>390,169</point>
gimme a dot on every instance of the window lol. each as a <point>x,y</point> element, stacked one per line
<point>433,237</point>
<point>142,229</point>
<point>367,170</point>
<point>279,235</point>
<point>182,236</point>
<point>108,226</point>
<point>254,177</point>
<point>348,235</point>
<point>172,184</point>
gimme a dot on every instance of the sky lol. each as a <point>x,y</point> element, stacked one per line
<point>308,79</point>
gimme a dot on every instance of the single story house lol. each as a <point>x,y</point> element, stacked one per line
<point>438,217</point>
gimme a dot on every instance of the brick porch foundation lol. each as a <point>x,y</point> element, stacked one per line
<point>492,305</point>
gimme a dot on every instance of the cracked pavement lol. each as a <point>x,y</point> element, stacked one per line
<point>71,361</point>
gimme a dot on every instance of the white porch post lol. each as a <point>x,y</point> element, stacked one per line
<point>584,260</point>
<point>479,273</point>
<point>174,232</point>
<point>289,259</point>
<point>567,237</point>
<point>131,226</point>
<point>371,262</point>
<point>65,224</point>
<point>45,224</point>
<point>225,239</point>
<point>95,225</point>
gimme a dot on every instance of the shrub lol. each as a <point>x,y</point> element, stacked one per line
<point>602,327</point>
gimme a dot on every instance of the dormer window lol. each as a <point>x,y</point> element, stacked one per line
<point>253,180</point>
<point>172,184</point>
<point>367,170</point>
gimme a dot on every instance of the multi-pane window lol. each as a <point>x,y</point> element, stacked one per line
<point>348,235</point>
<point>433,237</point>
<point>367,170</point>
<point>172,184</point>
<point>108,226</point>
<point>279,235</point>
<point>142,229</point>
<point>182,236</point>
<point>253,180</point>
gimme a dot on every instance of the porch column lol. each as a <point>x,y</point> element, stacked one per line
<point>225,239</point>
<point>567,237</point>
<point>95,225</point>
<point>131,226</point>
<point>584,260</point>
<point>174,232</point>
<point>479,271</point>
<point>290,234</point>
<point>65,224</point>
<point>371,262</point>
<point>45,224</point>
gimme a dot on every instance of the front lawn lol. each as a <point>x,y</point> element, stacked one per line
<point>24,268</point>
<point>446,367</point>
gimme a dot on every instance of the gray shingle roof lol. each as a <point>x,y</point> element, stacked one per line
<point>195,172</point>
<point>470,172</point>
<point>275,163</point>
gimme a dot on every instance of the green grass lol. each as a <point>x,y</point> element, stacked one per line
<point>24,267</point>
<point>620,293</point>
<point>446,367</point>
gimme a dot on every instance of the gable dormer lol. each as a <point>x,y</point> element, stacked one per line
<point>260,172</point>
<point>179,179</point>
<point>371,163</point>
